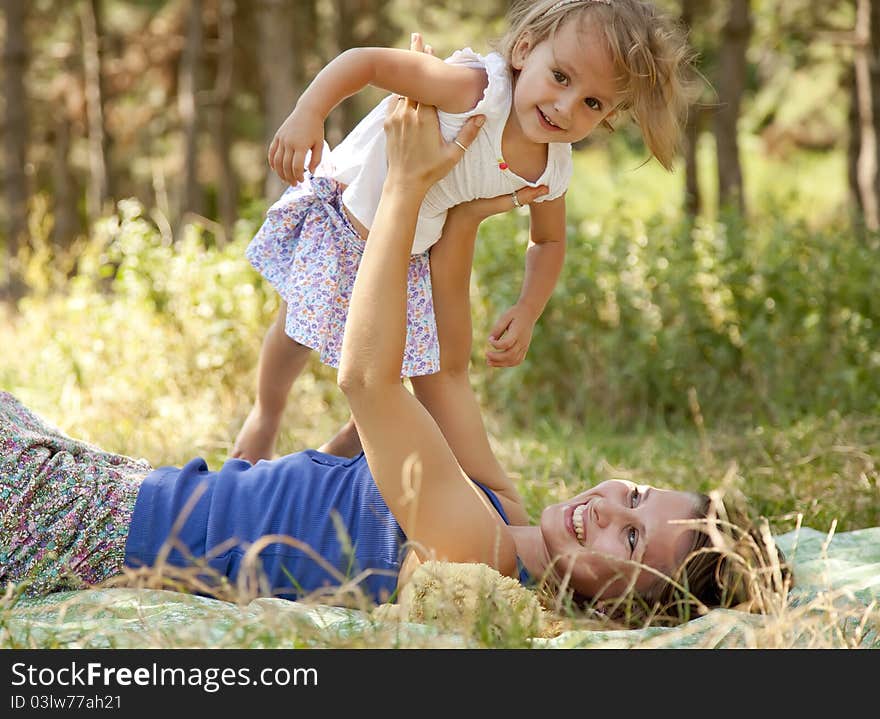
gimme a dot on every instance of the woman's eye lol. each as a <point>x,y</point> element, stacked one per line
<point>635,497</point>
<point>633,538</point>
<point>559,77</point>
<point>593,103</point>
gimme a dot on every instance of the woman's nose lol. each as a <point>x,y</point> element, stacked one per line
<point>606,511</point>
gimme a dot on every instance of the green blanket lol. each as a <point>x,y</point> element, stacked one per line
<point>833,604</point>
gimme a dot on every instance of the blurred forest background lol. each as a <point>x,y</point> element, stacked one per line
<point>726,314</point>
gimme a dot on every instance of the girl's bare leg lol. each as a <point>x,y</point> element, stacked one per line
<point>281,362</point>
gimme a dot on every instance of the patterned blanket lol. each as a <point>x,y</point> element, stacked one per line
<point>834,603</point>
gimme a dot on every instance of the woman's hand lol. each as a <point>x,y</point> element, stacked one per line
<point>479,210</point>
<point>418,156</point>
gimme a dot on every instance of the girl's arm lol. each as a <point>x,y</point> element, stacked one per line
<point>420,76</point>
<point>443,514</point>
<point>448,395</point>
<point>545,255</point>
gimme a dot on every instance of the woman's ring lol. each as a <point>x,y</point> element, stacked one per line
<point>516,201</point>
<point>460,145</point>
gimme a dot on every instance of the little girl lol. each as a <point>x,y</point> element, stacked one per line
<point>562,69</point>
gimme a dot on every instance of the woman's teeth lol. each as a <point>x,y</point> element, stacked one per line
<point>577,520</point>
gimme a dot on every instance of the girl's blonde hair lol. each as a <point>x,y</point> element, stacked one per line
<point>648,49</point>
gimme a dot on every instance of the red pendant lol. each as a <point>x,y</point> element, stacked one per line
<point>502,165</point>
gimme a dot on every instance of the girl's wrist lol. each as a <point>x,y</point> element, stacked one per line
<point>532,311</point>
<point>309,105</point>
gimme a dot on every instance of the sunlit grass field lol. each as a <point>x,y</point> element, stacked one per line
<point>151,349</point>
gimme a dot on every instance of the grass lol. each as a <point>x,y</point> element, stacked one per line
<point>823,472</point>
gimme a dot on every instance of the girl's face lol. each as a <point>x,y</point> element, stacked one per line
<point>566,84</point>
<point>598,537</point>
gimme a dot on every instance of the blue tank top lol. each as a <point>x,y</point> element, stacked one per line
<point>310,496</point>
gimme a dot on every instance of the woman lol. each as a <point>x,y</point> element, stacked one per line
<point>312,523</point>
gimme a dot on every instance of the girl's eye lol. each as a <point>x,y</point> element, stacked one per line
<point>635,497</point>
<point>559,77</point>
<point>593,104</point>
<point>633,538</point>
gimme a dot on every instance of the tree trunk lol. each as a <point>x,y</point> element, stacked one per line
<point>65,95</point>
<point>867,80</point>
<point>64,185</point>
<point>187,103</point>
<point>98,192</point>
<point>281,76</point>
<point>731,83</point>
<point>853,145</point>
<point>227,187</point>
<point>358,23</point>
<point>692,199</point>
<point>15,142</point>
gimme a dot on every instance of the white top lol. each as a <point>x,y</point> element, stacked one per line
<point>359,160</point>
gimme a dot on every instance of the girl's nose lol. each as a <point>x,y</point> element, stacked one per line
<point>565,103</point>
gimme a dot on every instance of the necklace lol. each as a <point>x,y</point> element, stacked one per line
<point>502,163</point>
<point>503,166</point>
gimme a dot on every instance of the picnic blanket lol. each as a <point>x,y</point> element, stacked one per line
<point>833,603</point>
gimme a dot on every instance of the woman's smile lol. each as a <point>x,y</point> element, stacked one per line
<point>577,518</point>
<point>574,521</point>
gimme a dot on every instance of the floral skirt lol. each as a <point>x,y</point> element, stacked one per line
<point>310,253</point>
<point>65,505</point>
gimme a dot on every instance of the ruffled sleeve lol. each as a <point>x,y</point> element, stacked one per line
<point>560,166</point>
<point>495,102</point>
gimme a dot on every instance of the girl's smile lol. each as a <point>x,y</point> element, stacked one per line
<point>547,123</point>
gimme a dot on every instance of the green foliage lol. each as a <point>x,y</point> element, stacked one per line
<point>151,347</point>
<point>764,321</point>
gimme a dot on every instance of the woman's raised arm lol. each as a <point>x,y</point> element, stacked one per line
<point>448,395</point>
<point>441,511</point>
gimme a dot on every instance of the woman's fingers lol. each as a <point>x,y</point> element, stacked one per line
<point>527,195</point>
<point>468,133</point>
<point>504,203</point>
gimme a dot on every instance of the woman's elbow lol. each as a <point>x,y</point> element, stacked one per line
<point>358,381</point>
<point>352,380</point>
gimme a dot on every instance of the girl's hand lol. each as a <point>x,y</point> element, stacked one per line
<point>300,133</point>
<point>511,337</point>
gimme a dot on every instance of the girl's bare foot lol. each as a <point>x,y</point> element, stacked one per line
<point>256,439</point>
<point>345,443</point>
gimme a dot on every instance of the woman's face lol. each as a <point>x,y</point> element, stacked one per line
<point>596,538</point>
